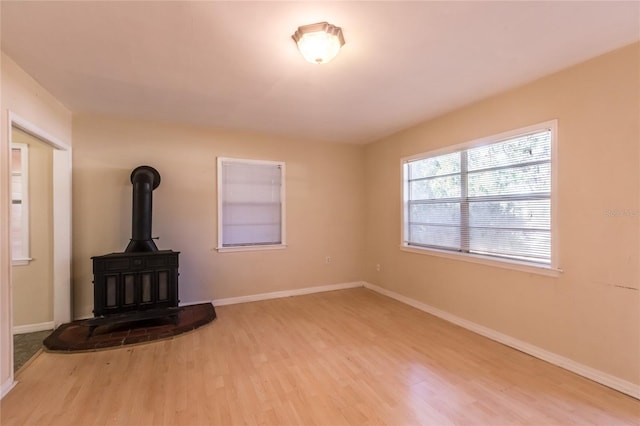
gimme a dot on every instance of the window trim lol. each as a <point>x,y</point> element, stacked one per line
<point>550,270</point>
<point>283,232</point>
<point>23,258</point>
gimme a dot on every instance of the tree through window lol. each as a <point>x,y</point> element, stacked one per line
<point>493,199</point>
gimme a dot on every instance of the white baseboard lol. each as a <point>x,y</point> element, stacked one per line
<point>31,328</point>
<point>6,387</point>
<point>285,293</point>
<point>603,378</point>
<point>194,303</point>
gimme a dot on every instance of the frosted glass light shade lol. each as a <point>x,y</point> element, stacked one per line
<point>319,43</point>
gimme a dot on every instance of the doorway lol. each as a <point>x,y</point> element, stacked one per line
<point>31,241</point>
<point>41,263</point>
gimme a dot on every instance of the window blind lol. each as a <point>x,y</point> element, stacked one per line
<point>251,203</point>
<point>492,200</point>
<point>19,202</point>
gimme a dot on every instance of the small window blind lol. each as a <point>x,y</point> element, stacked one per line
<point>251,198</point>
<point>492,200</point>
<point>19,202</point>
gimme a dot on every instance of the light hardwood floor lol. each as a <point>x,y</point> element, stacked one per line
<point>344,357</point>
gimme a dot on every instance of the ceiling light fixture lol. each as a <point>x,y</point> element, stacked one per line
<point>319,43</point>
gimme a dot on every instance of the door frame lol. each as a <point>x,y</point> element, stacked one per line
<point>61,181</point>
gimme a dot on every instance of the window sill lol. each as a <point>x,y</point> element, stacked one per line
<point>21,262</point>
<point>250,248</point>
<point>483,260</point>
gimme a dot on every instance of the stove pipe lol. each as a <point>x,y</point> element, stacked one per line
<point>144,179</point>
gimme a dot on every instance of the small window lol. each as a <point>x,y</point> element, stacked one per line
<point>19,203</point>
<point>251,208</point>
<point>491,198</point>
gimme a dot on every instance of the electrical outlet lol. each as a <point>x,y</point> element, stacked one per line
<point>378,267</point>
<point>328,259</point>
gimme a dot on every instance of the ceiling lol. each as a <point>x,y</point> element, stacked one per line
<point>233,65</point>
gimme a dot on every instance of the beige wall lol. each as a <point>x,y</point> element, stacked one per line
<point>324,207</point>
<point>33,283</point>
<point>25,97</point>
<point>591,313</point>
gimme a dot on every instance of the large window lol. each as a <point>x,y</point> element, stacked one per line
<point>19,204</point>
<point>491,198</point>
<point>251,211</point>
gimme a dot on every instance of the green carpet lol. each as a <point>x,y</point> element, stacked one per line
<point>25,346</point>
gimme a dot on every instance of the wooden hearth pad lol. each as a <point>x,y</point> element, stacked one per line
<point>82,335</point>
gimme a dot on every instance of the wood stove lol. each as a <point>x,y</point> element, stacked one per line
<point>125,282</point>
<point>142,278</point>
